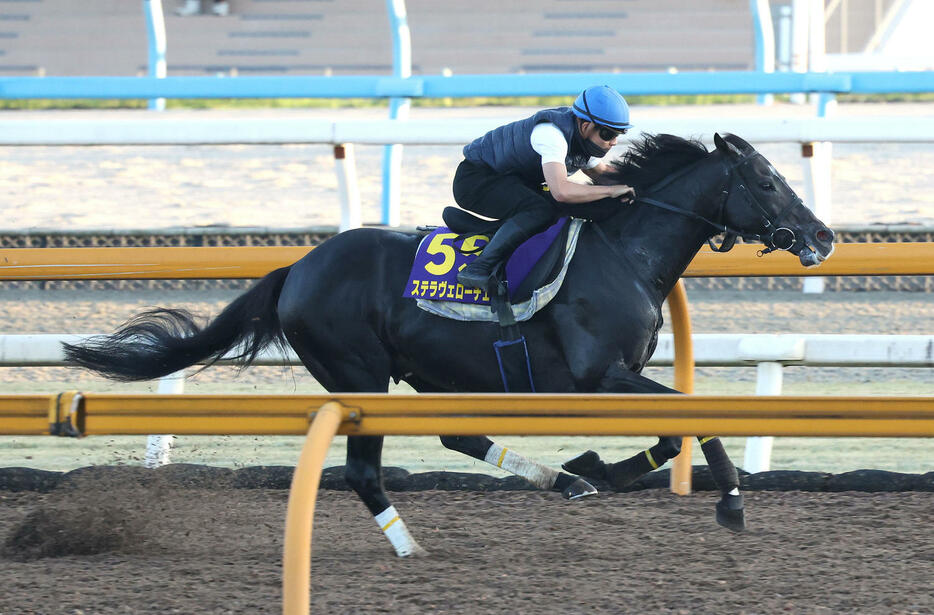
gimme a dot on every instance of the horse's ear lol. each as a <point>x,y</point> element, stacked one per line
<point>739,142</point>
<point>727,148</point>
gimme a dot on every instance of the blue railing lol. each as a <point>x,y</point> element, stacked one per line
<point>398,89</point>
<point>460,86</point>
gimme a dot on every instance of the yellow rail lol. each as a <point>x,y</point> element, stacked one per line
<point>680,317</point>
<point>300,514</point>
<point>529,414</point>
<point>912,258</point>
<point>909,258</point>
<point>448,414</point>
<point>26,415</point>
<point>144,263</point>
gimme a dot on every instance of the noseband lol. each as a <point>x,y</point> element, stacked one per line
<point>775,238</point>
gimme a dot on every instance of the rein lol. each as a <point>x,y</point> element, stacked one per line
<point>730,232</point>
<point>780,238</point>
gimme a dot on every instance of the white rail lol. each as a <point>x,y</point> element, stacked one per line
<point>769,353</point>
<point>710,350</point>
<point>160,129</point>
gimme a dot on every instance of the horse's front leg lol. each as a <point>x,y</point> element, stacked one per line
<point>624,473</point>
<point>543,477</point>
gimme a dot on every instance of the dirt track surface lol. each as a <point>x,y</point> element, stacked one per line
<point>219,551</point>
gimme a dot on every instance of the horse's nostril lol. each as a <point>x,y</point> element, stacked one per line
<point>824,235</point>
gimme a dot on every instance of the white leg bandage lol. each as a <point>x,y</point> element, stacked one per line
<point>535,473</point>
<point>394,528</point>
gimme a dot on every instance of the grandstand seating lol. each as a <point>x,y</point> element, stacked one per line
<point>293,37</point>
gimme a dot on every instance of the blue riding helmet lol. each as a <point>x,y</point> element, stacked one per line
<point>603,105</point>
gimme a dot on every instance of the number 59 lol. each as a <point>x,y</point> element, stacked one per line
<point>437,245</point>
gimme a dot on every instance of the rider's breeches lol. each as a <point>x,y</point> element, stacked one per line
<point>479,189</point>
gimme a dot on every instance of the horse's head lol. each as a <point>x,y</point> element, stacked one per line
<point>761,205</point>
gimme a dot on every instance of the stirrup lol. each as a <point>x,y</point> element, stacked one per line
<point>499,305</point>
<point>491,285</point>
<point>486,285</point>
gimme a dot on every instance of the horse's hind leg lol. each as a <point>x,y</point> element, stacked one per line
<point>543,477</point>
<point>365,476</point>
<point>623,473</point>
<point>484,449</point>
<point>354,365</point>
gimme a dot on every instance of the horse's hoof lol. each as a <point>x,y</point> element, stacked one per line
<point>586,464</point>
<point>414,551</point>
<point>730,513</point>
<point>578,489</point>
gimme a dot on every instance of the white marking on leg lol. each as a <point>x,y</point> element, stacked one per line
<point>394,529</point>
<point>537,474</point>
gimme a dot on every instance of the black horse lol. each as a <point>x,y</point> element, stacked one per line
<point>341,308</point>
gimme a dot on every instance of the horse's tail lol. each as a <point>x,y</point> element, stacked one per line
<point>162,341</point>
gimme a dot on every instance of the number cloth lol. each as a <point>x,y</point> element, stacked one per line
<point>433,278</point>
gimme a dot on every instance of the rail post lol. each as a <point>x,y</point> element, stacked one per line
<point>159,447</point>
<point>758,454</point>
<point>398,109</point>
<point>347,186</point>
<point>155,31</point>
<point>296,550</point>
<point>818,162</point>
<point>770,353</point>
<point>684,380</point>
<point>764,42</point>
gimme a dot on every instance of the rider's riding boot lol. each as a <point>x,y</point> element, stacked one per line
<point>509,237</point>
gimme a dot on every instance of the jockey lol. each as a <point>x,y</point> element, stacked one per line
<point>502,173</point>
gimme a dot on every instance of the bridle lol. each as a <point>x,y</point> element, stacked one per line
<point>775,237</point>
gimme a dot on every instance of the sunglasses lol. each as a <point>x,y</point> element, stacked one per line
<point>608,134</point>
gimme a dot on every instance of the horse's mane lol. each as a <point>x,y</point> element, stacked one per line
<point>651,159</point>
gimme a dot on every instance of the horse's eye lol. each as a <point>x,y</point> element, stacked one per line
<point>767,186</point>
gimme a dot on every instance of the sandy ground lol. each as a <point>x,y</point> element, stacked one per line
<point>219,552</point>
<point>296,186</point>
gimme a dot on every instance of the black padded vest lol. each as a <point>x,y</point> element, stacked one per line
<point>508,149</point>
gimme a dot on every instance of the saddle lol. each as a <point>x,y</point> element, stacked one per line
<point>533,264</point>
<point>463,222</point>
<point>530,279</point>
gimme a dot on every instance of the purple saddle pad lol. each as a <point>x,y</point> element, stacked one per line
<point>440,256</point>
